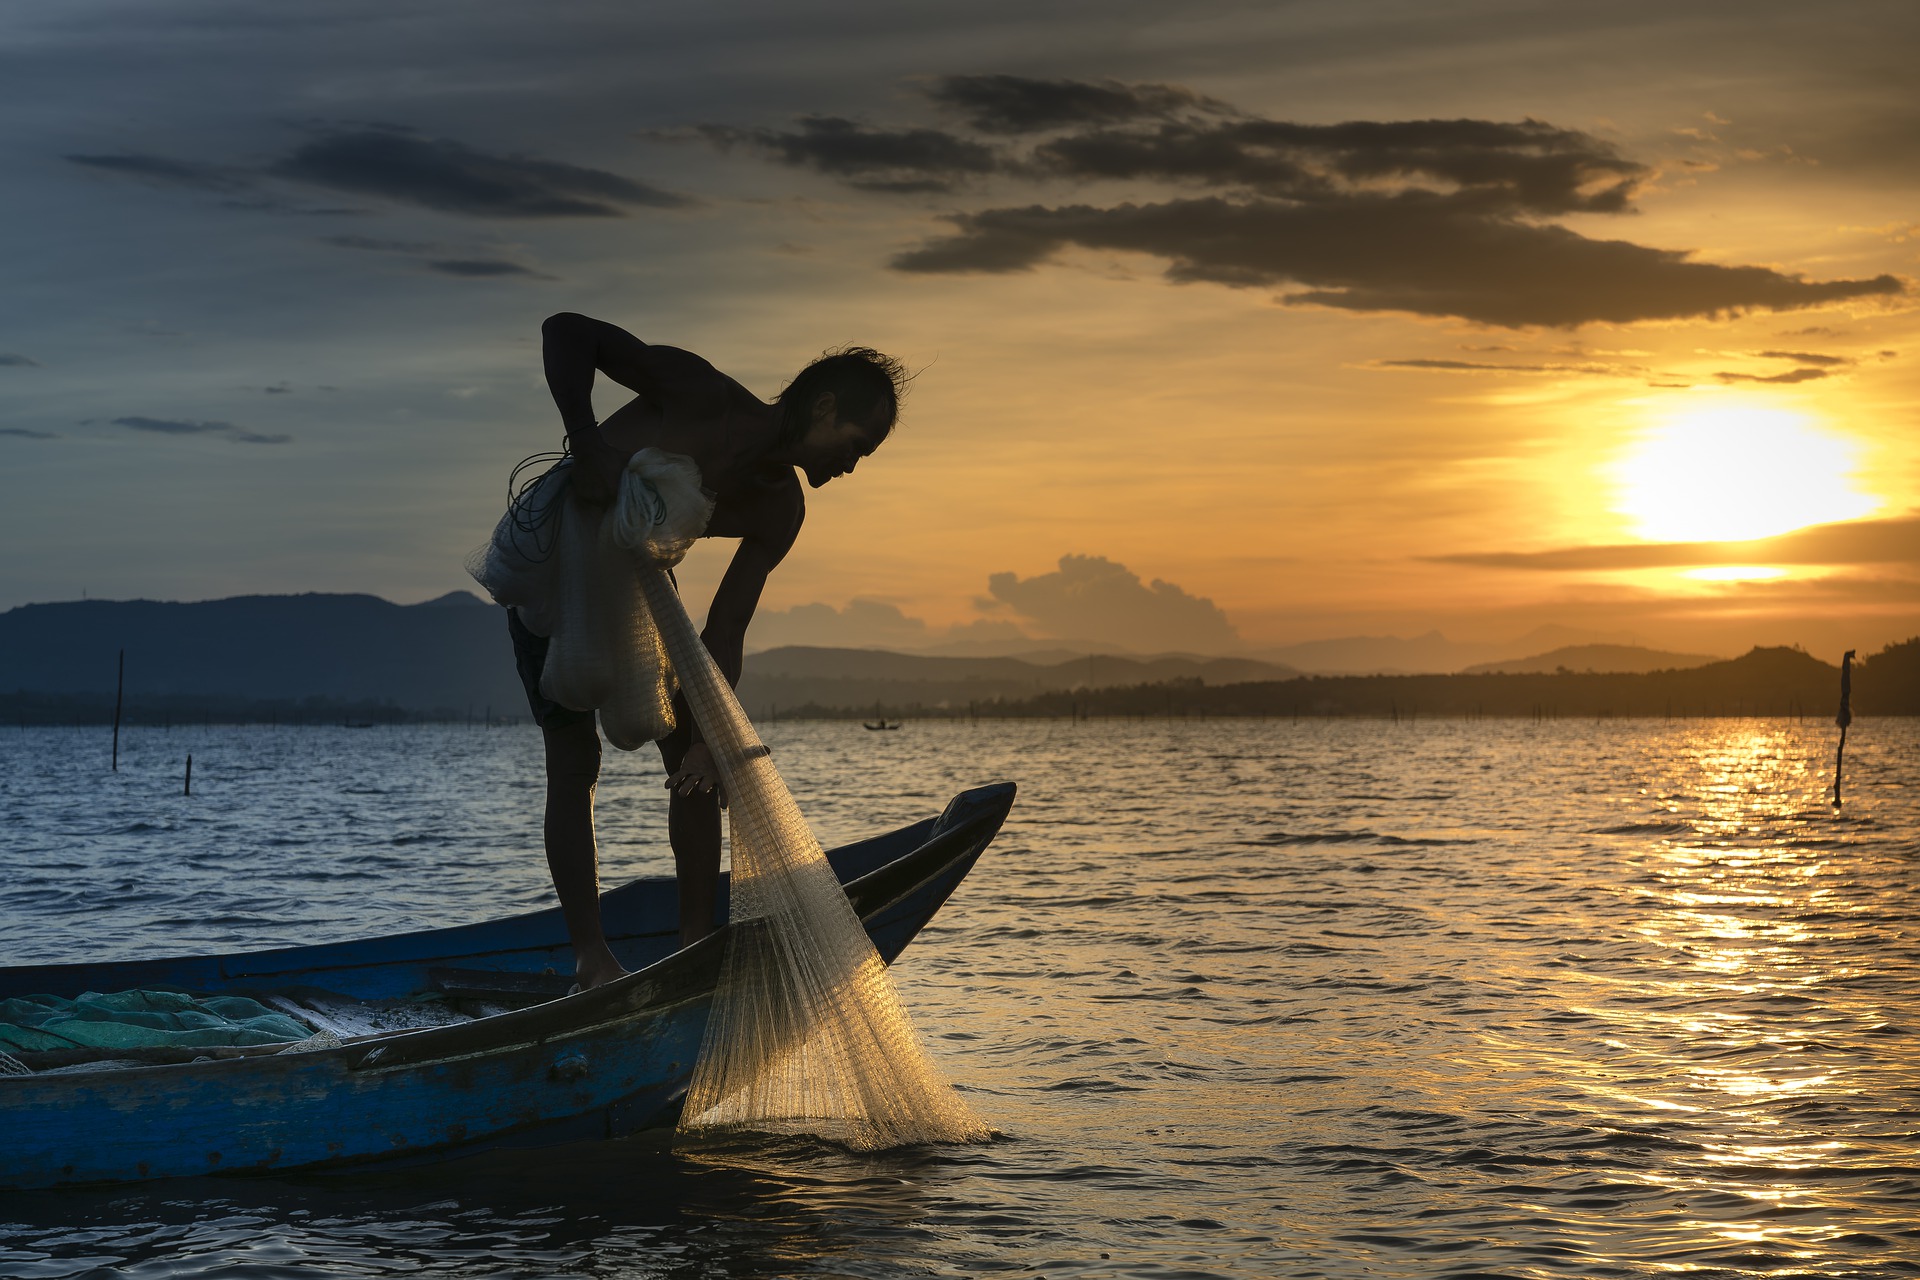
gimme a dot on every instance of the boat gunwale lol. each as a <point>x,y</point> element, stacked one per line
<point>681,977</point>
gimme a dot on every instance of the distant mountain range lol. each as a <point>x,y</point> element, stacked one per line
<point>451,657</point>
<point>1762,682</point>
<point>1434,653</point>
<point>445,655</point>
<point>1595,658</point>
<point>799,676</point>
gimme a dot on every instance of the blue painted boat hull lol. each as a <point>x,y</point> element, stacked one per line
<point>603,1063</point>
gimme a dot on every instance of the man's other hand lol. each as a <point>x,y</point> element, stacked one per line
<point>697,774</point>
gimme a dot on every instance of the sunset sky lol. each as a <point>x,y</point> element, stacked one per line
<point>1237,324</point>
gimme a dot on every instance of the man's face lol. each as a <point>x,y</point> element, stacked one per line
<point>834,445</point>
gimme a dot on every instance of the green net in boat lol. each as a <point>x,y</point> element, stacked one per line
<point>141,1019</point>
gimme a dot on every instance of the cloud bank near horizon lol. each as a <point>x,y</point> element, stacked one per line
<point>1086,600</point>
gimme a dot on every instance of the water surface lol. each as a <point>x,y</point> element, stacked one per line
<point>1328,998</point>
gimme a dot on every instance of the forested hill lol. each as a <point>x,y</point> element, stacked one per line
<point>1765,682</point>
<point>360,657</point>
<point>445,655</point>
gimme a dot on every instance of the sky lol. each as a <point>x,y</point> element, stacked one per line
<point>1235,325</point>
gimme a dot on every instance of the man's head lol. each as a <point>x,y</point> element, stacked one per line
<point>839,409</point>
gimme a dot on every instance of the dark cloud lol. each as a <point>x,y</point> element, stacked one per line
<point>1016,104</point>
<point>1474,366</point>
<point>1482,165</point>
<point>165,171</point>
<point>1408,252</point>
<point>1805,357</point>
<point>905,160</point>
<point>375,245</point>
<point>188,427</point>
<point>1094,596</point>
<point>26,433</point>
<point>452,178</point>
<point>1448,218</point>
<point>1791,376</point>
<point>1894,541</point>
<point>8,360</point>
<point>483,268</point>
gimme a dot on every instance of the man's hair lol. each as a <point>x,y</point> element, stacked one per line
<point>861,381</point>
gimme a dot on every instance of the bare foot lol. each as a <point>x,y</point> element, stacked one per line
<point>598,974</point>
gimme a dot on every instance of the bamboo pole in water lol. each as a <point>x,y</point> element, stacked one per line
<point>119,688</point>
<point>1844,719</point>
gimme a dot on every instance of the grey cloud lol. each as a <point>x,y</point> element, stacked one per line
<point>1893,541</point>
<point>26,433</point>
<point>902,161</point>
<point>375,245</point>
<point>10,361</point>
<point>190,427</point>
<point>1409,252</point>
<point>1433,217</point>
<point>1474,366</point>
<point>1791,376</point>
<point>164,170</point>
<point>480,268</point>
<point>1016,104</point>
<point>1094,596</point>
<point>1805,357</point>
<point>1489,166</point>
<point>452,178</point>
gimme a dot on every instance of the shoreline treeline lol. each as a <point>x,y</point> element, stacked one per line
<point>1765,682</point>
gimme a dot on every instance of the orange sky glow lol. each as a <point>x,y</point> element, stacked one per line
<point>1653,381</point>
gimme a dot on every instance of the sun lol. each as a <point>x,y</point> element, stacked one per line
<point>1730,472</point>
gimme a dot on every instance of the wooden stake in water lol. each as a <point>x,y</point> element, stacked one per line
<point>1844,719</point>
<point>119,688</point>
<point>187,790</point>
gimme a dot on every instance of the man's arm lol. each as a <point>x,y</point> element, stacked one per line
<point>576,347</point>
<point>733,606</point>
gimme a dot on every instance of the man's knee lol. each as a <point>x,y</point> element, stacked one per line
<point>573,755</point>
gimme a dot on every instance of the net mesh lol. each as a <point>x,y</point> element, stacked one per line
<point>808,1033</point>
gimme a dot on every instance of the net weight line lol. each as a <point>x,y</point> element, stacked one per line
<point>807,1033</point>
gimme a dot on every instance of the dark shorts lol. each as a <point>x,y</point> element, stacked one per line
<point>530,658</point>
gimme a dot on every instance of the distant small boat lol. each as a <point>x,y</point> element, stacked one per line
<point>879,724</point>
<point>357,724</point>
<point>527,1065</point>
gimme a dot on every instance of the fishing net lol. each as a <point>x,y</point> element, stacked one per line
<point>807,1034</point>
<point>568,570</point>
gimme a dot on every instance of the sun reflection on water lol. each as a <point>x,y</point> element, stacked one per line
<point>1740,912</point>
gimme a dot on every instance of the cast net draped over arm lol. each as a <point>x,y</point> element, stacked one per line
<point>808,1033</point>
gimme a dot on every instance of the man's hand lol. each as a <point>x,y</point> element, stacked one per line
<point>697,774</point>
<point>596,468</point>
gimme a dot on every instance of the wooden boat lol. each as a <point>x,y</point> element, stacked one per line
<point>596,1064</point>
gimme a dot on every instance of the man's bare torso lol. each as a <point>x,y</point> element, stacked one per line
<point>729,433</point>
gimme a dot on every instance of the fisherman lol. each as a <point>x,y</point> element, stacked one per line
<point>837,411</point>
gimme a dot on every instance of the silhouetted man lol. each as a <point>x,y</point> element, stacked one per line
<point>836,412</point>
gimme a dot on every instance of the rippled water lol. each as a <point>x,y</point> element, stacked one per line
<point>1335,998</point>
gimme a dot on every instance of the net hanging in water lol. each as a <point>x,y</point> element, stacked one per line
<point>808,1033</point>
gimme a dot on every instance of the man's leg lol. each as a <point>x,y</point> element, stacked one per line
<point>693,825</point>
<point>573,769</point>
